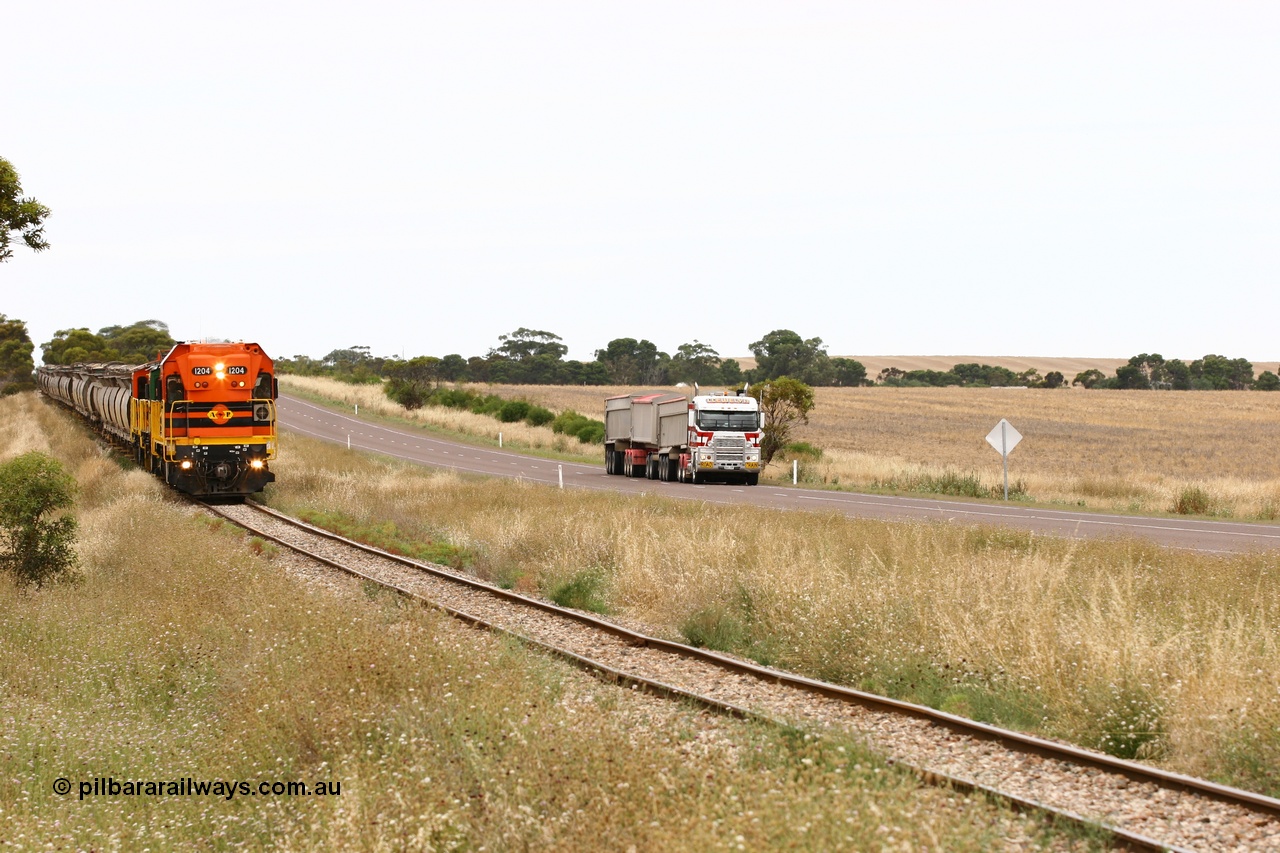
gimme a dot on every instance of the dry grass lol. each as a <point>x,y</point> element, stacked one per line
<point>1129,451</point>
<point>1117,645</point>
<point>372,400</point>
<point>186,653</point>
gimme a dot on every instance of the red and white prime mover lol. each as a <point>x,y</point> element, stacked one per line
<point>665,436</point>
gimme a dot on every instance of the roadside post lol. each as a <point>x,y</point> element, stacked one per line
<point>1004,438</point>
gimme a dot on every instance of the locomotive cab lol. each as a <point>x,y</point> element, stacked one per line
<point>208,421</point>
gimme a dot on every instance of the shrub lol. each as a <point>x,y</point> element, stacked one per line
<point>583,591</point>
<point>453,398</point>
<point>591,432</point>
<point>714,628</point>
<point>489,404</point>
<point>512,411</point>
<point>1192,500</point>
<point>539,416</point>
<point>38,539</point>
<point>802,450</point>
<point>568,422</point>
<point>408,396</point>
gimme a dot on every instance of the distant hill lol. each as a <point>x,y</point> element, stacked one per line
<point>1066,365</point>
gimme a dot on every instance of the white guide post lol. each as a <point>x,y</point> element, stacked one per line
<point>1004,438</point>
<point>795,471</point>
<point>560,470</point>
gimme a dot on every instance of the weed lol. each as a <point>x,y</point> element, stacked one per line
<point>388,537</point>
<point>262,547</point>
<point>583,590</point>
<point>1192,500</point>
<point>714,628</point>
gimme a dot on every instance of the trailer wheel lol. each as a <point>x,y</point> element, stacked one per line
<point>608,461</point>
<point>664,468</point>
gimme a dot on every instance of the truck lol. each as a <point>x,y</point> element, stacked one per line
<point>689,439</point>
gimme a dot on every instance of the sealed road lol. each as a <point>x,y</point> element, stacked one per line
<point>304,418</point>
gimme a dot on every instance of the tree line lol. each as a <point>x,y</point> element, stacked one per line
<point>1148,371</point>
<point>536,357</point>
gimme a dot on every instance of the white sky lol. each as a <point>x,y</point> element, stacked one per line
<point>1022,178</point>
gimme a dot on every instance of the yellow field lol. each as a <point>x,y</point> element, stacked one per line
<point>1133,451</point>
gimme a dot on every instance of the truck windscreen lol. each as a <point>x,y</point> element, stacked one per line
<point>729,421</point>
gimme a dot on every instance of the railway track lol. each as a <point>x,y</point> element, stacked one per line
<point>1144,808</point>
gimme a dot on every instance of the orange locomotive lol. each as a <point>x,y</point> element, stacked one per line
<point>203,417</point>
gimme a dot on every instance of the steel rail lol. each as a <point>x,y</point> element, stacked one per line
<point>1012,740</point>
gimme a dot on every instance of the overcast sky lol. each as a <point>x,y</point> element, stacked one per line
<point>1024,178</point>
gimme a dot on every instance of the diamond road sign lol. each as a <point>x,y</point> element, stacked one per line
<point>1004,437</point>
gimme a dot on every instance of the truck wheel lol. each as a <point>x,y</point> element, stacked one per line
<point>753,479</point>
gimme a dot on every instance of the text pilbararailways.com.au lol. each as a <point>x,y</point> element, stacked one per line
<point>188,787</point>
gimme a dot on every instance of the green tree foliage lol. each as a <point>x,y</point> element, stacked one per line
<point>974,374</point>
<point>526,344</point>
<point>411,382</point>
<point>971,375</point>
<point>785,403</point>
<point>1217,372</point>
<point>1266,381</point>
<point>1143,372</point>
<point>140,343</point>
<point>453,368</point>
<point>354,364</point>
<point>631,362</point>
<point>301,365</point>
<point>782,352</point>
<point>23,217</point>
<point>696,362</point>
<point>76,346</point>
<point>731,373</point>
<point>1178,374</point>
<point>1089,378</point>
<point>38,535</point>
<point>1054,379</point>
<point>16,363</point>
<point>848,372</point>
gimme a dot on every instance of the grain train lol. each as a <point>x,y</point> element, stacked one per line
<point>202,417</point>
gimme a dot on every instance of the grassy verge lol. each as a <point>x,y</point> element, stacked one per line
<point>456,424</point>
<point>187,652</point>
<point>1186,452</point>
<point>1117,645</point>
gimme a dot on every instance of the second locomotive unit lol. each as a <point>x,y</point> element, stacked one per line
<point>202,417</point>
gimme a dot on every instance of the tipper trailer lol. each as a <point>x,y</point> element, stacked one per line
<point>665,436</point>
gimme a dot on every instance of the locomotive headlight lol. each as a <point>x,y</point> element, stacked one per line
<point>220,370</point>
<point>186,464</point>
<point>255,464</point>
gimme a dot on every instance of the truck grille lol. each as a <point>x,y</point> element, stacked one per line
<point>729,449</point>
